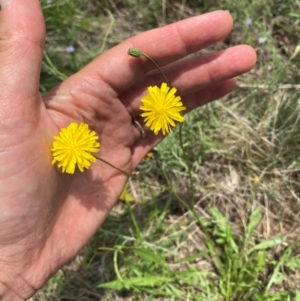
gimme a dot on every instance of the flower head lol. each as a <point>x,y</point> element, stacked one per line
<point>135,52</point>
<point>248,22</point>
<point>74,145</point>
<point>162,108</point>
<point>261,40</point>
<point>70,49</point>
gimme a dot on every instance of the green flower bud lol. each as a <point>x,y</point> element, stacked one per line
<point>135,52</point>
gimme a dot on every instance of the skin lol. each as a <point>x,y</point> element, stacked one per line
<point>46,217</point>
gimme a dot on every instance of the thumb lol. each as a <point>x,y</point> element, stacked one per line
<point>22,34</point>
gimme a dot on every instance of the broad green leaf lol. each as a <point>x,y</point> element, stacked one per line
<point>294,263</point>
<point>148,256</point>
<point>255,218</point>
<point>261,260</point>
<point>278,279</point>
<point>220,219</point>
<point>223,230</point>
<point>193,257</point>
<point>266,244</point>
<point>297,295</point>
<point>115,285</point>
<point>297,50</point>
<point>151,281</point>
<point>295,15</point>
<point>220,241</point>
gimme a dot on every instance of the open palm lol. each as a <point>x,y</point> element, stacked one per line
<point>46,216</point>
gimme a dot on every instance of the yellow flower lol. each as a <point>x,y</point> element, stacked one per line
<point>149,156</point>
<point>255,179</point>
<point>126,196</point>
<point>162,108</point>
<point>74,145</point>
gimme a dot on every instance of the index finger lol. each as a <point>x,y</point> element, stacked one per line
<point>165,45</point>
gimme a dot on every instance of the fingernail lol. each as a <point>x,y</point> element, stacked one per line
<point>5,3</point>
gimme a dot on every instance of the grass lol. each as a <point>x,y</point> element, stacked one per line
<point>238,240</point>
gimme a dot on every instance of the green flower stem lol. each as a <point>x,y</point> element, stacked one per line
<point>115,260</point>
<point>115,167</point>
<point>134,221</point>
<point>208,240</point>
<point>187,163</point>
<point>159,69</point>
<point>139,127</point>
<point>135,52</point>
<point>130,174</point>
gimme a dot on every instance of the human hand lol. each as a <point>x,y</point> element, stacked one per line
<point>46,216</point>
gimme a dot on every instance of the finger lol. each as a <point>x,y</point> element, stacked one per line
<point>22,34</point>
<point>194,73</point>
<point>191,101</point>
<point>164,45</point>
